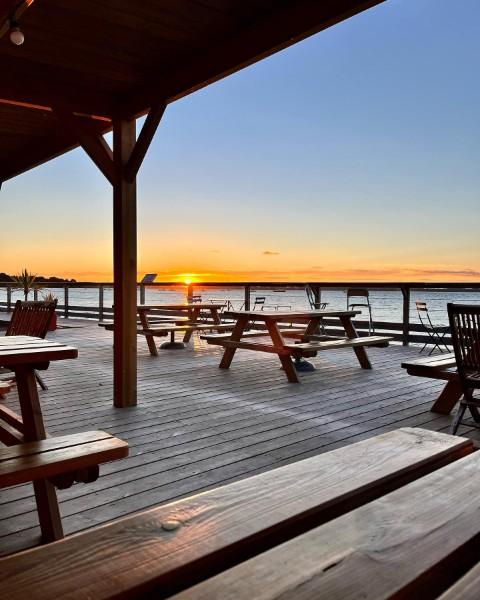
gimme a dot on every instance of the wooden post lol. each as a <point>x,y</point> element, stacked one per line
<point>317,294</point>
<point>189,293</point>
<point>65,301</point>
<point>247,297</point>
<point>406,315</point>
<point>142,293</point>
<point>100,302</point>
<point>120,167</point>
<point>124,268</point>
<point>9,298</point>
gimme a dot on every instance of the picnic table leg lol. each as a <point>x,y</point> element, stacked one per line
<point>359,350</point>
<point>150,339</point>
<point>216,317</point>
<point>34,429</point>
<point>313,328</point>
<point>193,315</point>
<point>447,399</point>
<point>285,359</point>
<point>235,337</point>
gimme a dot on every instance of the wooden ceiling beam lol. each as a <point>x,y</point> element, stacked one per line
<point>47,93</point>
<point>292,22</point>
<point>149,128</point>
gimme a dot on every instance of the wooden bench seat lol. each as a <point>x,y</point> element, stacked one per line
<point>77,455</point>
<point>212,337</point>
<point>309,348</point>
<point>466,588</point>
<point>109,325</point>
<point>5,387</point>
<point>170,548</point>
<point>444,368</point>
<point>163,329</point>
<point>411,543</point>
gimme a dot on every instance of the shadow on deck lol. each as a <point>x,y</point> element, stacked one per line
<point>198,427</point>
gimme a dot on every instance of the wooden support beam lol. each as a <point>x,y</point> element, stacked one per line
<point>144,139</point>
<point>93,143</point>
<point>124,268</point>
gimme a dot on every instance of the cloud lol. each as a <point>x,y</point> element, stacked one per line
<point>270,253</point>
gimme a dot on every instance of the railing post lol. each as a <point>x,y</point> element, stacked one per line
<point>100,302</point>
<point>317,294</point>
<point>65,301</point>
<point>35,294</point>
<point>9,298</point>
<point>247,297</point>
<point>142,293</point>
<point>189,293</point>
<point>406,315</point>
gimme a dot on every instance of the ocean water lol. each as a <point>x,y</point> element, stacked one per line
<point>386,304</point>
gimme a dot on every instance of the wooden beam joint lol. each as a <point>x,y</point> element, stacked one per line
<point>144,140</point>
<point>91,141</point>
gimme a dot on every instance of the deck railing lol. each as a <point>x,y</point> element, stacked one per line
<point>401,299</point>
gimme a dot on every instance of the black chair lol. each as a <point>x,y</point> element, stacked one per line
<point>436,333</point>
<point>465,329</point>
<point>311,300</point>
<point>360,298</point>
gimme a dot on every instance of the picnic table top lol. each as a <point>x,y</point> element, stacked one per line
<point>278,315</point>
<point>23,349</point>
<point>184,306</point>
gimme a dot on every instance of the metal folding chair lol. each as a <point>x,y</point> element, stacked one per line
<point>436,333</point>
<point>360,298</point>
<point>465,329</point>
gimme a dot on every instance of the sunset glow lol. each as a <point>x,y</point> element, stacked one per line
<point>366,171</point>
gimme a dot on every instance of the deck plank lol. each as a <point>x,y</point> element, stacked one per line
<point>197,427</point>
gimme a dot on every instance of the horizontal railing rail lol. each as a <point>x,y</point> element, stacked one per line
<point>404,330</point>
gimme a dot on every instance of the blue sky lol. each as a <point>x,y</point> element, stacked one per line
<point>354,154</point>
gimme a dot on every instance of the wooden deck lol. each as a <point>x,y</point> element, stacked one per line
<point>197,427</point>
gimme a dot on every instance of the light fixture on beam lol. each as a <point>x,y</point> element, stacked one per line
<point>16,34</point>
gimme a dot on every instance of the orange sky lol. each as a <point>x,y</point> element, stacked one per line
<point>321,163</point>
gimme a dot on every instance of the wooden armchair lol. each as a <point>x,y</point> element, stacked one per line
<point>465,330</point>
<point>32,318</point>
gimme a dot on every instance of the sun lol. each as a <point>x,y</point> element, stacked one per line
<point>187,278</point>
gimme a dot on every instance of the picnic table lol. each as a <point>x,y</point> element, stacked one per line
<point>394,516</point>
<point>23,355</point>
<point>48,462</point>
<point>191,315</point>
<point>443,367</point>
<point>310,340</point>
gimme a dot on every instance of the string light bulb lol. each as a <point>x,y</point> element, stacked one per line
<point>16,34</point>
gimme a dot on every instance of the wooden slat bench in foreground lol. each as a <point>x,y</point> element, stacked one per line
<point>443,367</point>
<point>367,520</point>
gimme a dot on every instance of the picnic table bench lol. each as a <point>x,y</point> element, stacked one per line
<point>443,367</point>
<point>388,517</point>
<point>310,340</point>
